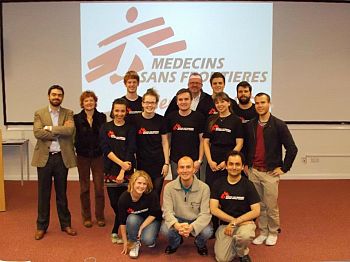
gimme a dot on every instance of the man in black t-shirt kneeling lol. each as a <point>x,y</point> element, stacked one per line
<point>235,201</point>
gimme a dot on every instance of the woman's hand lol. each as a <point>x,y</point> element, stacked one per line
<point>125,248</point>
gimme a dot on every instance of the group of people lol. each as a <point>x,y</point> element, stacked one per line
<point>241,144</point>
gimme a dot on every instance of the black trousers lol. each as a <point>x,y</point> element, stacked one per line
<point>114,194</point>
<point>56,170</point>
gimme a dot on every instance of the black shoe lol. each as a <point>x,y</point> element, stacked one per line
<point>169,250</point>
<point>245,258</point>
<point>203,251</point>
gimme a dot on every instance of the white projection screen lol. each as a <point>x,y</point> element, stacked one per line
<point>297,52</point>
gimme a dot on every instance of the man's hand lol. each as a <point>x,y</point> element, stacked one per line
<point>69,123</point>
<point>229,230</point>
<point>277,172</point>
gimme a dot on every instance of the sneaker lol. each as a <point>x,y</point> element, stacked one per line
<point>259,240</point>
<point>245,258</point>
<point>271,240</point>
<point>134,251</point>
<point>153,245</point>
<point>116,239</point>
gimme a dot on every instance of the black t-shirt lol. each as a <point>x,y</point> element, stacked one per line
<point>149,138</point>
<point>133,108</point>
<point>222,135</point>
<point>245,114</point>
<point>185,132</point>
<point>121,141</point>
<point>235,200</point>
<point>147,205</point>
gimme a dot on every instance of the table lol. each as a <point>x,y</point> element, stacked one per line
<point>21,144</point>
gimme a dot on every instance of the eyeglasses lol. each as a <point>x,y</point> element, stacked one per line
<point>149,103</point>
<point>195,83</point>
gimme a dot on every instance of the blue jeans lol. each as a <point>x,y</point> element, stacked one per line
<point>174,238</point>
<point>149,234</point>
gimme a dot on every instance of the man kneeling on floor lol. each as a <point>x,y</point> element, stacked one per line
<point>186,209</point>
<point>235,201</point>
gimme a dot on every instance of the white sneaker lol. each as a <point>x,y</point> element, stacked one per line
<point>134,251</point>
<point>259,240</point>
<point>153,245</point>
<point>116,239</point>
<point>271,240</point>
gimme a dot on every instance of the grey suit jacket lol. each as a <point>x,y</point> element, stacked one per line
<point>42,118</point>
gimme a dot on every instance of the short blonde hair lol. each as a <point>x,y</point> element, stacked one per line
<point>135,176</point>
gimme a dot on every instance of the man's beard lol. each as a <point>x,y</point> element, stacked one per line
<point>244,100</point>
<point>55,102</point>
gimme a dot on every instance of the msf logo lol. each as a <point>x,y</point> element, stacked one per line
<point>108,62</point>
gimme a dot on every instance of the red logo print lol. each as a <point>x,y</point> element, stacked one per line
<point>212,111</point>
<point>142,130</point>
<point>224,195</point>
<point>130,210</point>
<point>176,126</point>
<point>108,62</point>
<point>110,133</point>
<point>214,127</point>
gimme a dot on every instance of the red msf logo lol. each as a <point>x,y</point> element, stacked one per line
<point>176,126</point>
<point>214,127</point>
<point>141,130</point>
<point>224,195</point>
<point>108,62</point>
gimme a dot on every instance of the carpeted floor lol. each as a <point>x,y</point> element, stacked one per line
<point>315,218</point>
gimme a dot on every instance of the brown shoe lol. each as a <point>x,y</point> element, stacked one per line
<point>87,223</point>
<point>39,234</point>
<point>70,231</point>
<point>101,223</point>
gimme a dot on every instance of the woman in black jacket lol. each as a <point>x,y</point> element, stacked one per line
<point>89,157</point>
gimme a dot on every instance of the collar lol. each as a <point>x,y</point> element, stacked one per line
<point>58,109</point>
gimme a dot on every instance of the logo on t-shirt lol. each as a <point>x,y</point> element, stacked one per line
<point>132,211</point>
<point>216,128</point>
<point>180,128</point>
<point>226,195</point>
<point>143,131</point>
<point>111,134</point>
<point>212,111</point>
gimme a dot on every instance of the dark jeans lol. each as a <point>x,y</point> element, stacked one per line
<point>114,194</point>
<point>85,164</point>
<point>55,169</point>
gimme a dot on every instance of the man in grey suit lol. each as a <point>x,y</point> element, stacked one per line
<point>53,155</point>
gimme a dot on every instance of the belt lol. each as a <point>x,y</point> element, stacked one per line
<point>54,153</point>
<point>260,169</point>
